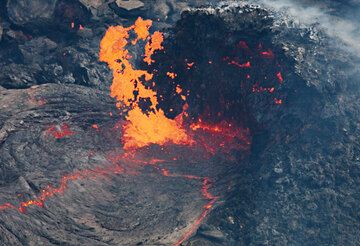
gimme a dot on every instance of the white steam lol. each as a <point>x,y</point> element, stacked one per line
<point>345,30</point>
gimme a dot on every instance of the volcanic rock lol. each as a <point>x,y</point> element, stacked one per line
<point>22,12</point>
<point>49,134</point>
<point>297,185</point>
<point>37,50</point>
<point>42,60</point>
<point>211,233</point>
<point>94,4</point>
<point>292,187</point>
<point>98,8</point>
<point>169,10</point>
<point>128,9</point>
<point>129,5</point>
<point>1,30</point>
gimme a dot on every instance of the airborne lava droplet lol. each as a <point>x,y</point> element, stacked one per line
<point>171,75</point>
<point>278,101</point>
<point>267,54</point>
<point>190,65</point>
<point>280,77</point>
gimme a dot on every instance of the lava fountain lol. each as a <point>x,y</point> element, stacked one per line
<point>131,89</point>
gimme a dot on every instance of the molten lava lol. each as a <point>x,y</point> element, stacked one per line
<point>206,185</point>
<point>153,45</point>
<point>60,131</point>
<point>278,101</point>
<point>171,75</point>
<point>267,54</point>
<point>223,136</point>
<point>51,191</point>
<point>238,64</point>
<point>280,77</point>
<point>129,87</point>
<point>150,125</point>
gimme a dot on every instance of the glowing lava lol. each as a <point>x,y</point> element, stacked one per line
<point>280,77</point>
<point>222,136</point>
<point>60,131</point>
<point>212,199</point>
<point>206,185</point>
<point>245,65</point>
<point>51,191</point>
<point>144,127</point>
<point>267,54</point>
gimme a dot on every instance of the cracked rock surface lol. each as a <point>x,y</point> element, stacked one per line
<point>298,186</point>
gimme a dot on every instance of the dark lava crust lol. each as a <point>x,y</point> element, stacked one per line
<point>298,186</point>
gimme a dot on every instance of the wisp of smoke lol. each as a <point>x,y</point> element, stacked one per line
<point>345,30</point>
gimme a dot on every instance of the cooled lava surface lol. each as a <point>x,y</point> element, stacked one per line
<point>225,125</point>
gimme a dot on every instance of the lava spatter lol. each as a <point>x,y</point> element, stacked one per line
<point>280,77</point>
<point>267,54</point>
<point>129,88</point>
<point>154,44</point>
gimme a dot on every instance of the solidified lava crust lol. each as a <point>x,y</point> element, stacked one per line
<point>227,124</point>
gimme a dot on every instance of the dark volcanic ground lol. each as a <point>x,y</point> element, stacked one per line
<point>135,204</point>
<point>297,186</point>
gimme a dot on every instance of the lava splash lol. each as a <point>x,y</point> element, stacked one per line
<point>130,87</point>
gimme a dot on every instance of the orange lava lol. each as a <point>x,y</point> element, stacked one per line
<point>278,101</point>
<point>51,191</point>
<point>153,45</point>
<point>223,136</point>
<point>171,75</point>
<point>280,77</point>
<point>190,65</point>
<point>206,210</point>
<point>128,87</point>
<point>145,127</point>
<point>206,185</point>
<point>178,89</point>
<point>240,65</point>
<point>258,89</point>
<point>60,131</point>
<point>267,54</point>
